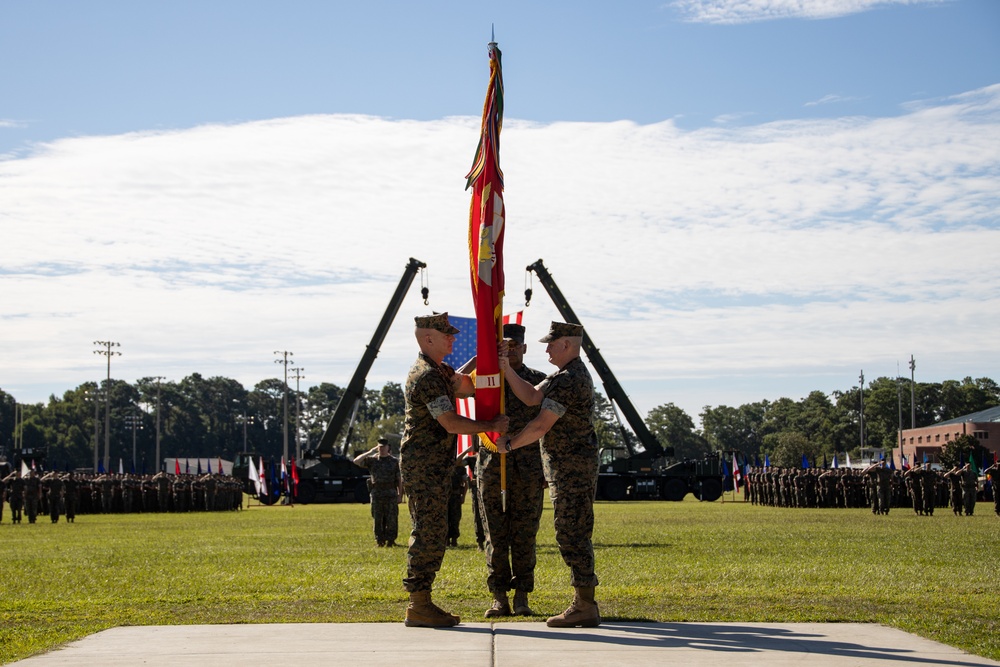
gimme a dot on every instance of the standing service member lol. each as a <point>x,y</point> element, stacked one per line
<point>570,459</point>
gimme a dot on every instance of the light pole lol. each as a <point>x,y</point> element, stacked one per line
<point>97,403</point>
<point>246,420</point>
<point>899,407</point>
<point>862,394</point>
<point>284,421</point>
<point>136,423</point>
<point>107,352</point>
<point>298,437</point>
<point>913,395</point>
<point>157,379</point>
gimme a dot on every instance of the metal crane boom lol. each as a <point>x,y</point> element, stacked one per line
<point>612,387</point>
<point>355,388</point>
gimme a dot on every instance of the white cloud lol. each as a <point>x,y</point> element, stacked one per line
<point>830,99</point>
<point>747,11</point>
<point>786,250</point>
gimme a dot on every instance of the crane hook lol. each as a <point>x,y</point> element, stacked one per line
<point>527,288</point>
<point>424,289</point>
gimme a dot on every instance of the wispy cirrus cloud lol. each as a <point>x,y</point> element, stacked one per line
<point>789,249</point>
<point>830,99</point>
<point>748,11</point>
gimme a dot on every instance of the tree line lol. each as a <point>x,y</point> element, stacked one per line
<point>198,417</point>
<point>217,416</point>
<point>821,425</point>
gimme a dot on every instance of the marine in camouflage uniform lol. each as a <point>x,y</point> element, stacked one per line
<point>954,477</point>
<point>994,474</point>
<point>163,485</point>
<point>881,478</point>
<point>928,480</point>
<point>456,498</point>
<point>15,495</point>
<point>511,533</point>
<point>32,494</point>
<point>914,483</point>
<point>970,488</point>
<point>470,458</point>
<point>569,459</point>
<point>53,483</point>
<point>426,460</point>
<point>71,495</point>
<point>386,491</point>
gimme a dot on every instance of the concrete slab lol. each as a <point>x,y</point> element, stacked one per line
<point>500,644</point>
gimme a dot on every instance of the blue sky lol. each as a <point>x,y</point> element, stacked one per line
<point>742,199</point>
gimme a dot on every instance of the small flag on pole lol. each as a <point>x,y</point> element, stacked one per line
<point>736,475</point>
<point>254,477</point>
<point>263,481</point>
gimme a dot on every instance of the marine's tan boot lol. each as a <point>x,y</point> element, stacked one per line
<point>422,613</point>
<point>521,607</point>
<point>582,612</point>
<point>500,606</point>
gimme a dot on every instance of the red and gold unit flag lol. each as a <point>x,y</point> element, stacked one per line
<point>486,233</point>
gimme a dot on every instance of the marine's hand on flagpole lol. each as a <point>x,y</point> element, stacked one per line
<point>504,362</point>
<point>498,424</point>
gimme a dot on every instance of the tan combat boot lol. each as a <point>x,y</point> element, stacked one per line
<point>500,606</point>
<point>582,613</point>
<point>521,607</point>
<point>422,613</point>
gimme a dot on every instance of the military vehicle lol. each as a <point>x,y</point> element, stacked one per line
<point>627,473</point>
<point>327,473</point>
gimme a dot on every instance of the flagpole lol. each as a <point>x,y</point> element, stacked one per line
<point>486,234</point>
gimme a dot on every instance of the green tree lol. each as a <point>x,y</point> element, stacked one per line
<point>7,405</point>
<point>957,452</point>
<point>606,425</point>
<point>673,427</point>
<point>786,448</point>
<point>320,402</point>
<point>391,400</point>
<point>882,409</point>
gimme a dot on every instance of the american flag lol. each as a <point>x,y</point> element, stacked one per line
<point>463,350</point>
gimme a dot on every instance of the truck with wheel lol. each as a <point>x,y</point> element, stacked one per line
<point>627,472</point>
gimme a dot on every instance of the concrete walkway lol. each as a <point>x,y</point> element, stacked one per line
<point>503,644</point>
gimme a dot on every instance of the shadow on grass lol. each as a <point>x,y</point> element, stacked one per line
<point>724,638</point>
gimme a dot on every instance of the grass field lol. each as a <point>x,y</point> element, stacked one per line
<point>938,577</point>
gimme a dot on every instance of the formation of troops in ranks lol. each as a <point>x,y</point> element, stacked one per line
<point>69,494</point>
<point>877,486</point>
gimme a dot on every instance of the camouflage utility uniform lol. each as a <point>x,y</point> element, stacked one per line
<point>510,534</point>
<point>570,461</point>
<point>970,489</point>
<point>456,498</point>
<point>53,483</point>
<point>32,494</point>
<point>15,496</point>
<point>994,474</point>
<point>384,471</point>
<point>71,494</point>
<point>426,460</point>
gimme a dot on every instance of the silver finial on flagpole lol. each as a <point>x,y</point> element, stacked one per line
<point>493,38</point>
